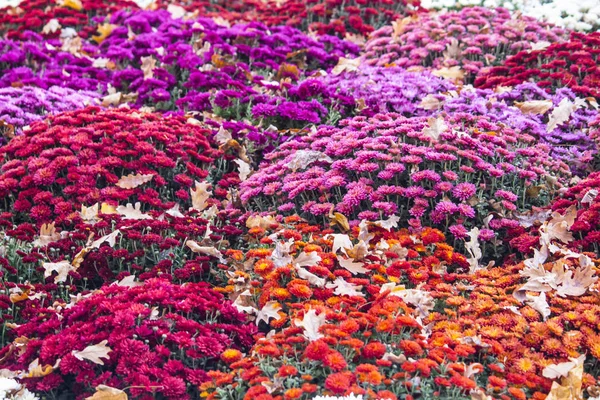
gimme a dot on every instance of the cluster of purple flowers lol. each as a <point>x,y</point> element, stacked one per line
<point>23,105</point>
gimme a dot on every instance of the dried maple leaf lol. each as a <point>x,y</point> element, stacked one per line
<point>103,31</point>
<point>453,73</point>
<point>303,158</point>
<point>534,106</point>
<point>270,310</point>
<point>132,181</point>
<point>307,259</point>
<point>435,127</point>
<point>561,113</point>
<point>131,212</point>
<point>62,268</point>
<point>258,221</point>
<point>147,67</point>
<point>431,102</point>
<point>199,196</point>
<point>48,235</point>
<point>311,322</point>
<point>74,4</point>
<point>571,374</point>
<point>341,241</point>
<point>52,26</point>
<point>176,11</point>
<point>35,370</point>
<point>223,136</point>
<point>573,283</point>
<point>208,250</point>
<point>93,353</point>
<point>344,288</point>
<point>89,214</point>
<point>346,64</point>
<point>400,25</point>
<point>353,267</point>
<point>243,169</point>
<point>104,392</point>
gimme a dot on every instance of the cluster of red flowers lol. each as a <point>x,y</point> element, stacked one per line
<point>157,338</point>
<point>573,64</point>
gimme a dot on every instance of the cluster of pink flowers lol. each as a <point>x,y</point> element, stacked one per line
<point>451,172</point>
<point>472,38</point>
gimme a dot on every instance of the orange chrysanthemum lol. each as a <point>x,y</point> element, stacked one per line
<point>316,350</point>
<point>338,383</point>
<point>231,355</point>
<point>374,350</point>
<point>280,294</point>
<point>335,360</point>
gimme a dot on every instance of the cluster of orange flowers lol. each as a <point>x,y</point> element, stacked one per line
<point>410,323</point>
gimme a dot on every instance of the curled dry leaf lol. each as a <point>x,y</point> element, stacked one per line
<point>113,99</point>
<point>74,4</point>
<point>258,221</point>
<point>223,136</point>
<point>341,242</point>
<point>132,181</point>
<point>453,73</point>
<point>35,370</point>
<point>129,281</point>
<point>48,235</point>
<point>199,196</point>
<point>340,220</point>
<point>147,67</point>
<point>104,30</point>
<point>176,11</point>
<point>104,392</point>
<point>534,106</point>
<point>431,102</point>
<point>243,169</point>
<point>208,250</point>
<point>353,267</point>
<point>93,353</point>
